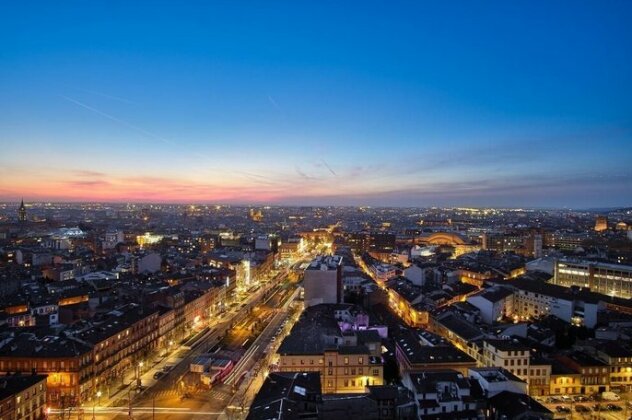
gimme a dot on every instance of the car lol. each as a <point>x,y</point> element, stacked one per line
<point>562,409</point>
<point>612,407</point>
<point>582,409</point>
<point>167,368</point>
<point>158,375</point>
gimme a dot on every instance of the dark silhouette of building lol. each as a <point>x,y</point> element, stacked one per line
<point>22,212</point>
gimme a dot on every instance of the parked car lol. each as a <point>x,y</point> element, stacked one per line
<point>612,407</point>
<point>562,409</point>
<point>582,409</point>
<point>610,396</point>
<point>158,375</point>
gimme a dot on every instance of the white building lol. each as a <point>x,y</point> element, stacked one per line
<point>323,280</point>
<point>495,380</point>
<point>440,392</point>
<point>534,299</point>
<point>494,304</point>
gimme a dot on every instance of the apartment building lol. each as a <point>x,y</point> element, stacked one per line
<point>344,360</point>
<point>23,397</point>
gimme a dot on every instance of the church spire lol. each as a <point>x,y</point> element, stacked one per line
<point>22,211</point>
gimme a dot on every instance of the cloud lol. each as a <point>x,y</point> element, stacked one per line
<point>91,184</point>
<point>88,173</point>
<point>302,174</point>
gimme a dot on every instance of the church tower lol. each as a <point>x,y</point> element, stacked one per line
<point>22,212</point>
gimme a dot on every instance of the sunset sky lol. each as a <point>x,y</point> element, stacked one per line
<point>406,103</point>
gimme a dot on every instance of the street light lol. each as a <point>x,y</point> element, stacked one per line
<point>94,403</point>
<point>138,372</point>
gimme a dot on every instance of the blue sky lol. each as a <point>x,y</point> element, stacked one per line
<point>380,103</point>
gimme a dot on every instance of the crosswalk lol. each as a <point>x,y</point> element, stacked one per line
<point>216,394</point>
<point>165,394</point>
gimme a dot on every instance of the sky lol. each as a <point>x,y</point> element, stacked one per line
<point>383,103</point>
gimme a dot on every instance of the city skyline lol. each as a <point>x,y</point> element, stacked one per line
<point>488,104</point>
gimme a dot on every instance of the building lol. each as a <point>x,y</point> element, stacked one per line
<point>536,299</point>
<point>112,238</point>
<point>516,406</point>
<point>494,304</point>
<point>393,402</point>
<point>120,341</point>
<point>507,354</point>
<point>460,332</point>
<point>564,380</point>
<point>413,356</point>
<point>619,360</point>
<point>286,395</point>
<point>595,374</point>
<point>23,397</point>
<point>348,360</point>
<point>539,376</point>
<point>445,392</point>
<point>495,380</point>
<point>405,300</point>
<point>601,223</point>
<point>323,280</point>
<point>605,278</point>
<point>66,361</point>
<point>22,212</point>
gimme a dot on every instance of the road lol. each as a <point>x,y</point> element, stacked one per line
<point>245,336</point>
<point>248,329</point>
<point>593,414</point>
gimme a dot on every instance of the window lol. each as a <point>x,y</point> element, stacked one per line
<point>346,360</point>
<point>360,360</point>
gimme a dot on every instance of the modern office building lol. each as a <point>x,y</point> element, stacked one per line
<point>606,278</point>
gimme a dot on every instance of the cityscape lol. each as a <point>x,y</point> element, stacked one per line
<point>310,210</point>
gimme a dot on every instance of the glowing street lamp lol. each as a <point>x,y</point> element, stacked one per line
<point>94,403</point>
